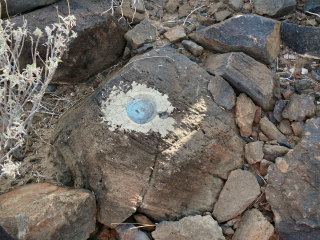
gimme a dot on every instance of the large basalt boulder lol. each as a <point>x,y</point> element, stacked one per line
<point>259,37</point>
<point>99,45</point>
<point>13,7</point>
<point>151,139</point>
<point>44,211</point>
<point>294,188</point>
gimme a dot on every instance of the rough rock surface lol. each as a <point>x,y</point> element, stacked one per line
<point>312,6</point>
<point>299,107</point>
<point>175,34</point>
<point>96,34</point>
<point>240,190</point>
<point>301,39</point>
<point>256,36</point>
<point>274,8</point>
<point>271,130</point>
<point>254,152</point>
<point>45,211</point>
<point>164,177</point>
<point>189,228</point>
<point>142,33</point>
<point>293,189</point>
<point>192,47</point>
<point>248,76</point>
<point>245,112</point>
<point>271,152</point>
<point>20,6</point>
<point>253,226</point>
<point>222,92</point>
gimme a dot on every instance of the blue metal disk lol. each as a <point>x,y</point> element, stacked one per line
<point>141,110</point>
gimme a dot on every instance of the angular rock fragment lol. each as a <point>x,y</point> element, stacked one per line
<point>254,152</point>
<point>284,127</point>
<point>240,190</point>
<point>222,92</point>
<point>175,34</point>
<point>299,107</point>
<point>189,228</point>
<point>312,6</point>
<point>293,189</point>
<point>297,128</point>
<point>271,130</point>
<point>301,39</point>
<point>271,152</point>
<point>245,112</point>
<point>192,47</point>
<point>256,36</point>
<point>99,45</point>
<point>142,33</point>
<point>247,76</point>
<point>45,211</point>
<point>274,8</point>
<point>151,139</point>
<point>253,226</point>
<point>278,108</point>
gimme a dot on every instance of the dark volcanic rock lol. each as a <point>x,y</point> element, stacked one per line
<point>301,39</point>
<point>248,76</point>
<point>294,188</point>
<point>45,211</point>
<point>20,6</point>
<point>99,45</point>
<point>274,8</point>
<point>256,36</point>
<point>312,6</point>
<point>152,139</point>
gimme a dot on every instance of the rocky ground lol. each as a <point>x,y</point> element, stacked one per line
<point>227,146</point>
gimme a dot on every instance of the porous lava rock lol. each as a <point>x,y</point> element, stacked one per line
<point>172,169</point>
<point>99,45</point>
<point>293,187</point>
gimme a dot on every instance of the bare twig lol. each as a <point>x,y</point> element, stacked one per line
<point>194,10</point>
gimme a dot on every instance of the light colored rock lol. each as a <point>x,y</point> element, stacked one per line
<point>284,127</point>
<point>142,33</point>
<point>245,112</point>
<point>253,226</point>
<point>254,152</point>
<point>240,190</point>
<point>247,76</point>
<point>129,13</point>
<point>171,6</point>
<point>297,128</point>
<point>263,137</point>
<point>222,15</point>
<point>271,152</point>
<point>130,232</point>
<point>222,92</point>
<point>237,4</point>
<point>44,211</point>
<point>192,47</point>
<point>175,34</point>
<point>299,107</point>
<point>269,129</point>
<point>274,8</point>
<point>144,220</point>
<point>189,228</point>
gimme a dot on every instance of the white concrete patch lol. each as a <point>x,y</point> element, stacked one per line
<point>114,110</point>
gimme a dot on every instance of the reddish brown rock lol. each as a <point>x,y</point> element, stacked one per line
<point>45,211</point>
<point>297,128</point>
<point>245,112</point>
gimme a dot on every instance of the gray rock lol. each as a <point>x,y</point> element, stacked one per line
<point>222,15</point>
<point>275,8</point>
<point>245,112</point>
<point>312,6</point>
<point>171,6</point>
<point>14,7</point>
<point>278,108</point>
<point>189,228</point>
<point>192,47</point>
<point>240,190</point>
<point>269,129</point>
<point>254,152</point>
<point>301,39</point>
<point>139,5</point>
<point>165,165</point>
<point>142,33</point>
<point>253,226</point>
<point>299,107</point>
<point>284,127</point>
<point>131,232</point>
<point>45,211</point>
<point>248,76</point>
<point>256,36</point>
<point>99,45</point>
<point>271,152</point>
<point>293,188</point>
<point>175,34</point>
<point>237,4</point>
<point>222,92</point>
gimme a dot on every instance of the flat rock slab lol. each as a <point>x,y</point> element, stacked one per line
<point>189,228</point>
<point>20,6</point>
<point>45,211</point>
<point>99,45</point>
<point>247,76</point>
<point>245,112</point>
<point>151,139</point>
<point>256,36</point>
<point>301,39</point>
<point>293,189</point>
<point>274,8</point>
<point>253,226</point>
<point>240,190</point>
